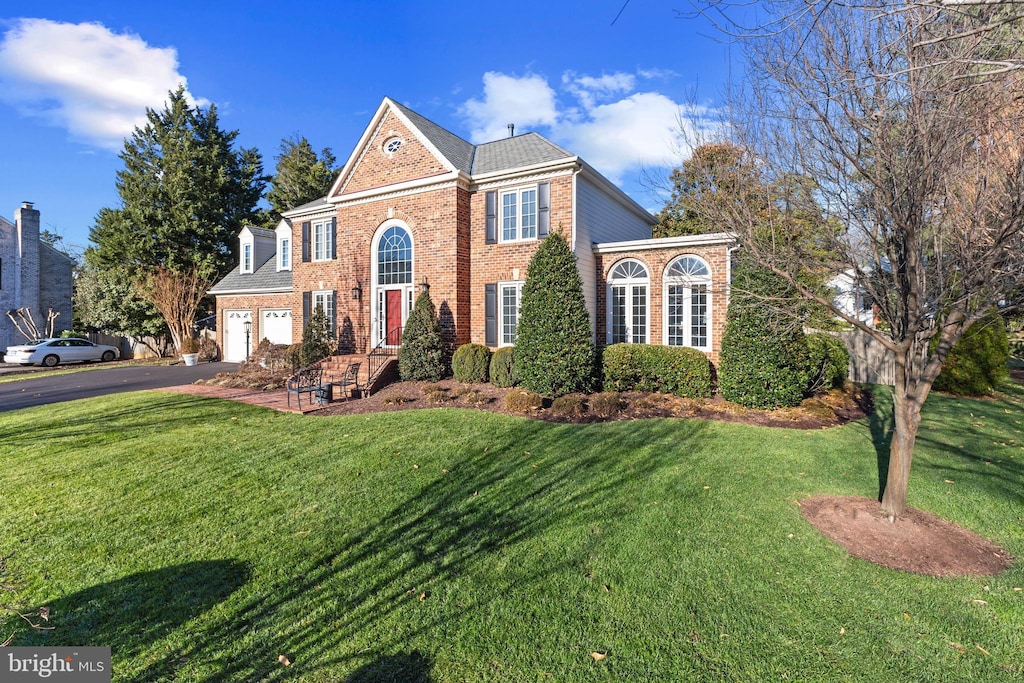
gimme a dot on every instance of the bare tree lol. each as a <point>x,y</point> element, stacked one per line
<point>908,118</point>
<point>177,296</point>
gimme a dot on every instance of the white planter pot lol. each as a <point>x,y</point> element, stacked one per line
<point>190,358</point>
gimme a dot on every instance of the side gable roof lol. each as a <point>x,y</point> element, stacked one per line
<point>528,149</point>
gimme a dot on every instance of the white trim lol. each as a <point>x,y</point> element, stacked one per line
<point>684,242</point>
<point>401,189</point>
<point>493,182</point>
<point>518,192</point>
<point>544,169</point>
<point>281,252</point>
<point>327,245</point>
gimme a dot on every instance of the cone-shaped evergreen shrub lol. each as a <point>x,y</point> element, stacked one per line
<point>978,362</point>
<point>317,338</point>
<point>422,353</point>
<point>763,363</point>
<point>554,350</point>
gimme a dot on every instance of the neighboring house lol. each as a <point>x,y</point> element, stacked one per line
<point>416,206</point>
<point>851,299</point>
<point>33,275</point>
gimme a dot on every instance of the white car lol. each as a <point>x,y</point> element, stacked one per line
<point>50,352</point>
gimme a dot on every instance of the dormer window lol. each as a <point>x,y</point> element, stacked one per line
<point>247,258</point>
<point>284,254</point>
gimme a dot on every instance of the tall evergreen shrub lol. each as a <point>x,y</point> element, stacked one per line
<point>422,353</point>
<point>317,338</point>
<point>763,363</point>
<point>554,348</point>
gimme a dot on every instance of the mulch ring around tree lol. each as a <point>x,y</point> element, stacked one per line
<point>826,410</point>
<point>916,542</point>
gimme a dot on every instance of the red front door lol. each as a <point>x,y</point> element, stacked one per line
<point>393,316</point>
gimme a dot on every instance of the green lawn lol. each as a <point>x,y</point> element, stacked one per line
<point>203,539</point>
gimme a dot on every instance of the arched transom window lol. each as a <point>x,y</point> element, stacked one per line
<point>688,303</point>
<point>628,302</point>
<point>394,257</point>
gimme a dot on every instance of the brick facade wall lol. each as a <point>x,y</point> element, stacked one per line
<point>378,168</point>
<point>506,262</point>
<point>657,260</point>
<point>253,303</point>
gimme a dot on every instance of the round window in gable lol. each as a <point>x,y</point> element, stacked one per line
<point>392,145</point>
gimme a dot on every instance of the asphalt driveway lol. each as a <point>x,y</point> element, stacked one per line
<point>48,388</point>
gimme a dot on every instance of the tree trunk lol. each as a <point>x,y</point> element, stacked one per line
<point>907,400</point>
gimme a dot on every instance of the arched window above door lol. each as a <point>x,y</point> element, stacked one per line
<point>394,257</point>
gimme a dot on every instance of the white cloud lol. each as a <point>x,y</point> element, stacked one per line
<point>85,78</point>
<point>616,130</point>
<point>527,102</point>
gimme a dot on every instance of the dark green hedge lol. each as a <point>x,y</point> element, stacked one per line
<point>668,369</point>
<point>471,363</point>
<point>978,362</point>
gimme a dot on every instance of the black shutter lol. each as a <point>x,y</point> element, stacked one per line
<point>334,238</point>
<point>305,242</point>
<point>492,217</point>
<point>307,307</point>
<point>543,210</point>
<point>333,313</point>
<point>491,314</point>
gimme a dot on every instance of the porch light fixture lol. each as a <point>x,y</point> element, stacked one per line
<point>424,286</point>
<point>357,293</point>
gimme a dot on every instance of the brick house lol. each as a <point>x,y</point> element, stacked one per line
<point>416,205</point>
<point>33,275</point>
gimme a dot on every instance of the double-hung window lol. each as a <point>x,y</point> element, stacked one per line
<point>322,240</point>
<point>510,295</point>
<point>247,258</point>
<point>519,214</point>
<point>325,301</point>
<point>284,254</point>
<point>688,303</point>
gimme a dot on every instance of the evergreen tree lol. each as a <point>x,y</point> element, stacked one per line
<point>764,358</point>
<point>554,347</point>
<point>317,338</point>
<point>422,353</point>
<point>300,176</point>
<point>185,194</point>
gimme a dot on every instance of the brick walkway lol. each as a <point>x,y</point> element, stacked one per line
<point>278,400</point>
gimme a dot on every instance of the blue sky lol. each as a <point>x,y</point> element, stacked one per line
<point>75,77</point>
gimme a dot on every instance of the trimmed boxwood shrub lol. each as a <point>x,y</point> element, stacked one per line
<point>503,368</point>
<point>554,346</point>
<point>763,362</point>
<point>471,363</point>
<point>422,353</point>
<point>668,369</point>
<point>828,362</point>
<point>976,363</point>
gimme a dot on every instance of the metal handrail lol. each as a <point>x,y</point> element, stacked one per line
<point>382,353</point>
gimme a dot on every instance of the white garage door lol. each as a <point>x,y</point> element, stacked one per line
<point>276,325</point>
<point>234,335</point>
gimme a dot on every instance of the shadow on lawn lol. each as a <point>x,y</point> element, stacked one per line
<point>970,429</point>
<point>133,612</point>
<point>364,594</point>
